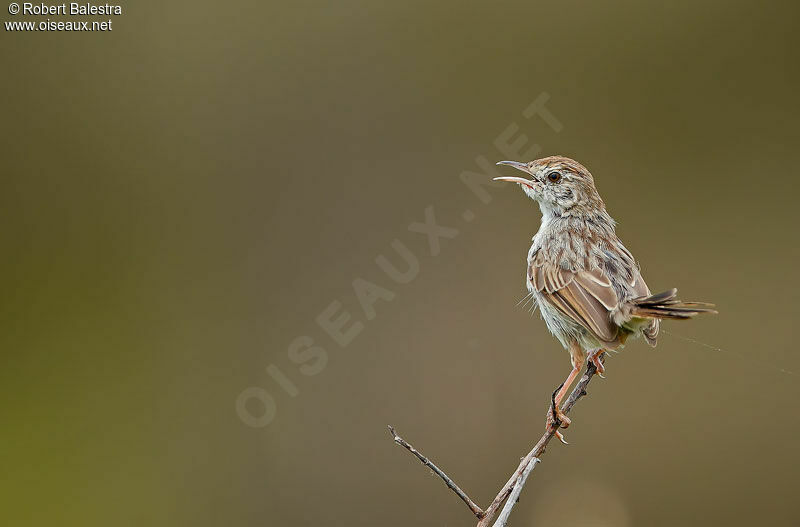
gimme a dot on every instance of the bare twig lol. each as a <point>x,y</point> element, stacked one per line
<point>477,511</point>
<point>513,486</point>
<point>502,518</point>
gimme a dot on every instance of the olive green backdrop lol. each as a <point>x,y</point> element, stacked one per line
<point>183,196</point>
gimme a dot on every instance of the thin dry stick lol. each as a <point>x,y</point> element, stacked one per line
<point>502,518</point>
<point>513,487</point>
<point>477,511</point>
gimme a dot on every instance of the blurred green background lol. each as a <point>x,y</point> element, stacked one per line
<point>183,196</point>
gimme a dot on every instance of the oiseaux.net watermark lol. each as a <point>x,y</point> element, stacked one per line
<point>256,406</point>
<point>63,16</point>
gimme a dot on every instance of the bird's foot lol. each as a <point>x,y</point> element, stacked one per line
<point>556,419</point>
<point>595,358</point>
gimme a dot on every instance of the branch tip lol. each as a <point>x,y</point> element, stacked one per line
<point>509,494</point>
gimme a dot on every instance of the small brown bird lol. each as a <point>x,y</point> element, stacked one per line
<point>587,285</point>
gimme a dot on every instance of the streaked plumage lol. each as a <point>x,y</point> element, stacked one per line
<point>587,285</point>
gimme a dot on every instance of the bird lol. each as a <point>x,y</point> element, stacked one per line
<point>587,285</point>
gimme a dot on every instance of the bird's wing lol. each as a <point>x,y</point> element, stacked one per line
<point>640,289</point>
<point>587,297</point>
<point>638,286</point>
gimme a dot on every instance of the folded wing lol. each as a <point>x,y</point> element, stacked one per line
<point>587,297</point>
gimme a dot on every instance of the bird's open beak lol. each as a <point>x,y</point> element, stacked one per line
<point>519,166</point>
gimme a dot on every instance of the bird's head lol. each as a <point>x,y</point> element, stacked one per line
<point>561,185</point>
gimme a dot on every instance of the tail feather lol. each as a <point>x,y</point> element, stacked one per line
<point>658,298</point>
<point>665,305</point>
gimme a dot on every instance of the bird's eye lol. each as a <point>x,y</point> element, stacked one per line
<point>554,177</point>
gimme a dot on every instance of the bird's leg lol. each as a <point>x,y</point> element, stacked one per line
<point>555,413</point>
<point>576,369</point>
<point>595,358</point>
<point>555,417</point>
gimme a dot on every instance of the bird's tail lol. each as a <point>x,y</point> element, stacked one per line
<point>665,305</point>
